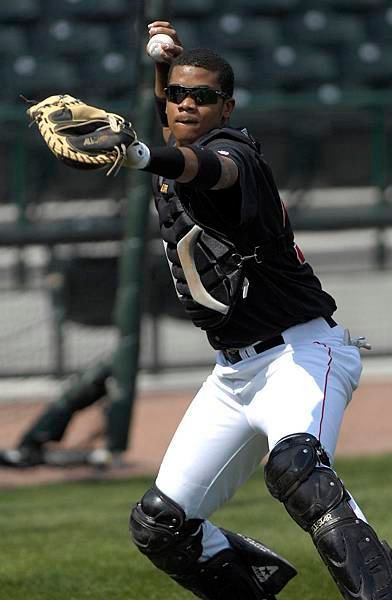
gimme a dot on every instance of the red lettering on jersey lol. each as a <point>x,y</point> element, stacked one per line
<point>300,254</point>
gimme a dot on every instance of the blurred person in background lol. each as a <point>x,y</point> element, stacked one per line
<point>37,444</point>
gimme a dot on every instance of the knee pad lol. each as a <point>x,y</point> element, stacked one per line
<point>159,528</point>
<point>295,474</point>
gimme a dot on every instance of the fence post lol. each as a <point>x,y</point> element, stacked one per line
<point>128,310</point>
<point>379,172</point>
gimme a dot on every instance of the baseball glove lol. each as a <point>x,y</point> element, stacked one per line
<point>83,136</point>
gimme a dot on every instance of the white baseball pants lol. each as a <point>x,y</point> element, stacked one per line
<point>242,410</point>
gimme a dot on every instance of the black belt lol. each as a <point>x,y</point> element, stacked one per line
<point>234,356</point>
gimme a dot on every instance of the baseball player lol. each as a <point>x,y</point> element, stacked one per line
<point>285,370</point>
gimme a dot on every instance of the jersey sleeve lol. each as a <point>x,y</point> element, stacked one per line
<point>247,188</point>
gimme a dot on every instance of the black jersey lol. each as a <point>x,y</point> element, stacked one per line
<point>284,290</point>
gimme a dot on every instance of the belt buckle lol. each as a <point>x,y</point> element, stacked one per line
<point>233,355</point>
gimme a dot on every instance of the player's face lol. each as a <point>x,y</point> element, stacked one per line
<point>191,115</point>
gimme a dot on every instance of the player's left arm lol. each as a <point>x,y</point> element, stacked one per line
<point>84,136</point>
<point>202,167</point>
<point>197,169</point>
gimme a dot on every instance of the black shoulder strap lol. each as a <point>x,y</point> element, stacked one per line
<point>230,133</point>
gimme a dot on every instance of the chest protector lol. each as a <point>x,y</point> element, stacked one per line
<point>204,264</point>
<point>207,268</point>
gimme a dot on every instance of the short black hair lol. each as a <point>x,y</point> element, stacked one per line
<point>211,61</point>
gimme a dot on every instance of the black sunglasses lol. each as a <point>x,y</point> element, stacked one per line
<point>201,95</point>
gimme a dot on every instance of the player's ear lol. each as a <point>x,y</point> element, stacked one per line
<point>228,107</point>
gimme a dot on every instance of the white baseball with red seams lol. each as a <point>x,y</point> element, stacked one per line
<point>154,46</point>
<point>244,409</point>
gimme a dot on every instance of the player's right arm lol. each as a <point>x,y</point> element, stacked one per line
<point>162,68</point>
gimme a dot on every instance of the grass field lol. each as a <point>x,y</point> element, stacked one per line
<point>70,542</point>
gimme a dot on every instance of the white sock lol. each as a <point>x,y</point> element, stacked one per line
<point>356,509</point>
<point>213,541</point>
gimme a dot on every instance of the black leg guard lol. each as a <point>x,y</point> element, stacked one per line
<point>247,570</point>
<point>359,563</point>
<point>317,500</point>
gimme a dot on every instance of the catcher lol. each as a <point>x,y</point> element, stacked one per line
<point>285,370</point>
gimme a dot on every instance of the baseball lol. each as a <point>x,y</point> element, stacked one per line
<point>155,44</point>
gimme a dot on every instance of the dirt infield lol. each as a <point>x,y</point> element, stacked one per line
<point>367,429</point>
